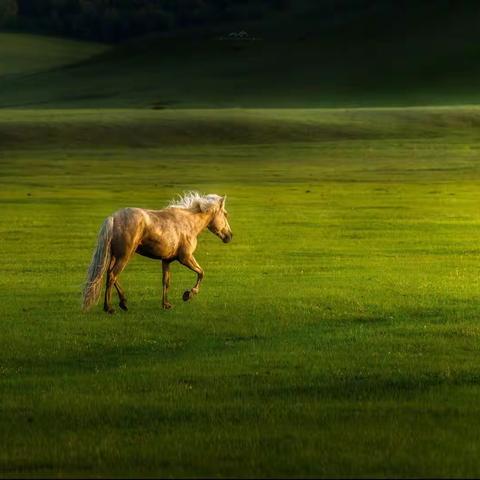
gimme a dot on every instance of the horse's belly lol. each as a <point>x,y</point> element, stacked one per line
<point>157,252</point>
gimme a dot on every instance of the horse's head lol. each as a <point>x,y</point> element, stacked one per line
<point>219,223</point>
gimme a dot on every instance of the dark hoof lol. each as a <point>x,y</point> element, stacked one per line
<point>110,311</point>
<point>123,306</point>
<point>167,306</point>
<point>187,295</point>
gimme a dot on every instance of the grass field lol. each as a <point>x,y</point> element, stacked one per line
<point>337,335</point>
<point>25,55</point>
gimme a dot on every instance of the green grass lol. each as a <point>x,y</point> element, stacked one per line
<point>337,335</point>
<point>24,54</point>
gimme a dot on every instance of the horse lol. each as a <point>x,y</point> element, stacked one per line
<point>168,235</point>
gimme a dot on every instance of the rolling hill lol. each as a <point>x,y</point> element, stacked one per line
<point>22,54</point>
<point>427,55</point>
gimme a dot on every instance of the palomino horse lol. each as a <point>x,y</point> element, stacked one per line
<point>167,235</point>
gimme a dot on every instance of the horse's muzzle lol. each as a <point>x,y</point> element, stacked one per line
<point>227,238</point>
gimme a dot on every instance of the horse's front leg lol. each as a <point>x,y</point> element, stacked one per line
<point>166,284</point>
<point>190,262</point>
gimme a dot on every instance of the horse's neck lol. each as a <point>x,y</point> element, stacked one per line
<point>200,221</point>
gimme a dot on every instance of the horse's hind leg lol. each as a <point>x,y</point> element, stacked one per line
<point>116,267</point>
<point>107,304</point>
<point>121,296</point>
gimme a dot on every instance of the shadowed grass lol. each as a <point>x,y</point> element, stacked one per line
<point>24,54</point>
<point>414,54</point>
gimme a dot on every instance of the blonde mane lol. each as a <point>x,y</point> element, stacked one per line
<point>196,202</point>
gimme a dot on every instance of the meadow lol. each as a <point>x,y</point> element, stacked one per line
<point>337,335</point>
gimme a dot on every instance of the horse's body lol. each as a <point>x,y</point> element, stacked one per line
<point>167,235</point>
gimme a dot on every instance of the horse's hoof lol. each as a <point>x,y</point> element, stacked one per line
<point>167,306</point>
<point>110,311</point>
<point>123,306</point>
<point>187,295</point>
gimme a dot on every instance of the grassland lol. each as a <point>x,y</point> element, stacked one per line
<point>337,335</point>
<point>24,54</point>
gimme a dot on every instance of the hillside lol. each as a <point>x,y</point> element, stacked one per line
<point>27,54</point>
<point>383,57</point>
<point>143,128</point>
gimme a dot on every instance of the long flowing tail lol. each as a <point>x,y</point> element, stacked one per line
<point>100,261</point>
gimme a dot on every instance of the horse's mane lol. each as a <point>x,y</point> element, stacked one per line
<point>196,202</point>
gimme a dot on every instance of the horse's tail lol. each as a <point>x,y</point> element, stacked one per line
<point>98,265</point>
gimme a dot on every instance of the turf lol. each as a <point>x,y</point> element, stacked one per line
<point>337,335</point>
<point>25,54</point>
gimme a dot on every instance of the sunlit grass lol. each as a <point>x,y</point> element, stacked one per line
<point>337,335</point>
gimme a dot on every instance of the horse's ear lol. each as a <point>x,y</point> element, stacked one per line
<point>222,201</point>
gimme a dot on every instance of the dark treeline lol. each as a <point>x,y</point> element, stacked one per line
<point>116,20</point>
